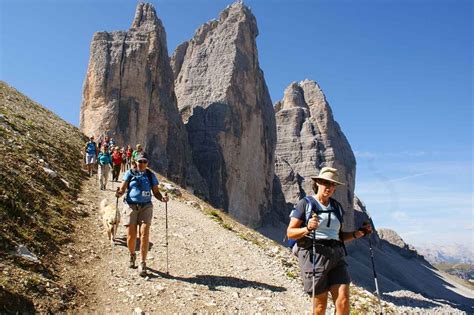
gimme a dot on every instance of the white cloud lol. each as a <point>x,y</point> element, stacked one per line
<point>409,176</point>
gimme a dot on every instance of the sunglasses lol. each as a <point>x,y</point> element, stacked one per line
<point>326,183</point>
<point>142,162</point>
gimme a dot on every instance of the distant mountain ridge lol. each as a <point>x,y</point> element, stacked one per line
<point>456,253</point>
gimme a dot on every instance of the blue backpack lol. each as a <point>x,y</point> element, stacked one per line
<point>91,147</point>
<point>336,208</point>
<point>134,177</point>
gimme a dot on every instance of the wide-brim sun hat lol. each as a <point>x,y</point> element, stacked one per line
<point>330,174</point>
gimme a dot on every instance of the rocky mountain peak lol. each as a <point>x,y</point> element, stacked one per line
<point>240,13</point>
<point>392,237</point>
<point>293,96</point>
<point>225,105</point>
<point>316,100</point>
<point>145,17</point>
<point>129,95</point>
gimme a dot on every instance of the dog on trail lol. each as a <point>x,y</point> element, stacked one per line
<point>110,219</point>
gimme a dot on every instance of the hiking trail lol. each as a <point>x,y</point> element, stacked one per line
<point>211,268</point>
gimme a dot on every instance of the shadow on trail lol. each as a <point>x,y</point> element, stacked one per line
<point>213,282</point>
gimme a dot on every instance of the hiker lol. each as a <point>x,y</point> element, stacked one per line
<point>116,164</point>
<point>139,184</point>
<point>105,163</point>
<point>123,168</point>
<point>112,143</point>
<point>129,156</point>
<point>91,154</point>
<point>104,142</point>
<point>138,150</point>
<point>316,225</point>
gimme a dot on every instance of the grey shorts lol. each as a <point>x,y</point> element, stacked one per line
<point>137,214</point>
<point>330,268</point>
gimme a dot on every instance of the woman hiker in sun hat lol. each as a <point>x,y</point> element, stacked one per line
<point>316,224</point>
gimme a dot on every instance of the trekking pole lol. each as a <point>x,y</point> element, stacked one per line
<point>114,232</point>
<point>375,275</point>
<point>377,292</point>
<point>314,268</point>
<point>166,236</point>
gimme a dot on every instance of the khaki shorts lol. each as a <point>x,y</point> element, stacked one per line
<point>137,214</point>
<point>330,269</point>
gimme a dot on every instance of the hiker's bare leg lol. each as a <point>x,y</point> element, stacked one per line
<point>144,240</point>
<point>340,297</point>
<point>131,237</point>
<point>320,302</point>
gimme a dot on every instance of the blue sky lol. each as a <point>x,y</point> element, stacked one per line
<point>397,74</point>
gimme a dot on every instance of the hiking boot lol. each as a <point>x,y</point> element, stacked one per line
<point>133,257</point>
<point>142,269</point>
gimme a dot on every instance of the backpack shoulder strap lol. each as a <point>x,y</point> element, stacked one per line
<point>338,211</point>
<point>149,174</point>
<point>131,178</point>
<point>311,207</point>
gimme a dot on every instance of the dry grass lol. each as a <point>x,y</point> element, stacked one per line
<point>36,209</point>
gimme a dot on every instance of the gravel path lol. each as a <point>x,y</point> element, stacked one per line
<point>215,266</point>
<point>242,279</point>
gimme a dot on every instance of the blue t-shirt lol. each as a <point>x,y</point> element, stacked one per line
<point>139,188</point>
<point>91,147</point>
<point>302,212</point>
<point>104,158</point>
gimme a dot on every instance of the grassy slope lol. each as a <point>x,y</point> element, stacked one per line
<point>35,208</point>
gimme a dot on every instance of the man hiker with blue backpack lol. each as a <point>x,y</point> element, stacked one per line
<point>91,154</point>
<point>139,184</point>
<point>316,225</point>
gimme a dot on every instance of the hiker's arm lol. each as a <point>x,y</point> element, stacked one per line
<point>363,231</point>
<point>295,231</point>
<point>122,189</point>
<point>158,195</point>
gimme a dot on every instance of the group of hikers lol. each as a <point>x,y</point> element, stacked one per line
<point>107,156</point>
<point>315,225</point>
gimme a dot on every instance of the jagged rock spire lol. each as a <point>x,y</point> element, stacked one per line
<point>145,17</point>
<point>129,95</point>
<point>228,113</point>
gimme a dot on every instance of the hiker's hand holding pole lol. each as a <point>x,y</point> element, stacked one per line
<point>363,231</point>
<point>119,192</point>
<point>313,223</point>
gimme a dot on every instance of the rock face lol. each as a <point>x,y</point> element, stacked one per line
<point>308,139</point>
<point>394,239</point>
<point>129,95</point>
<point>227,110</point>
